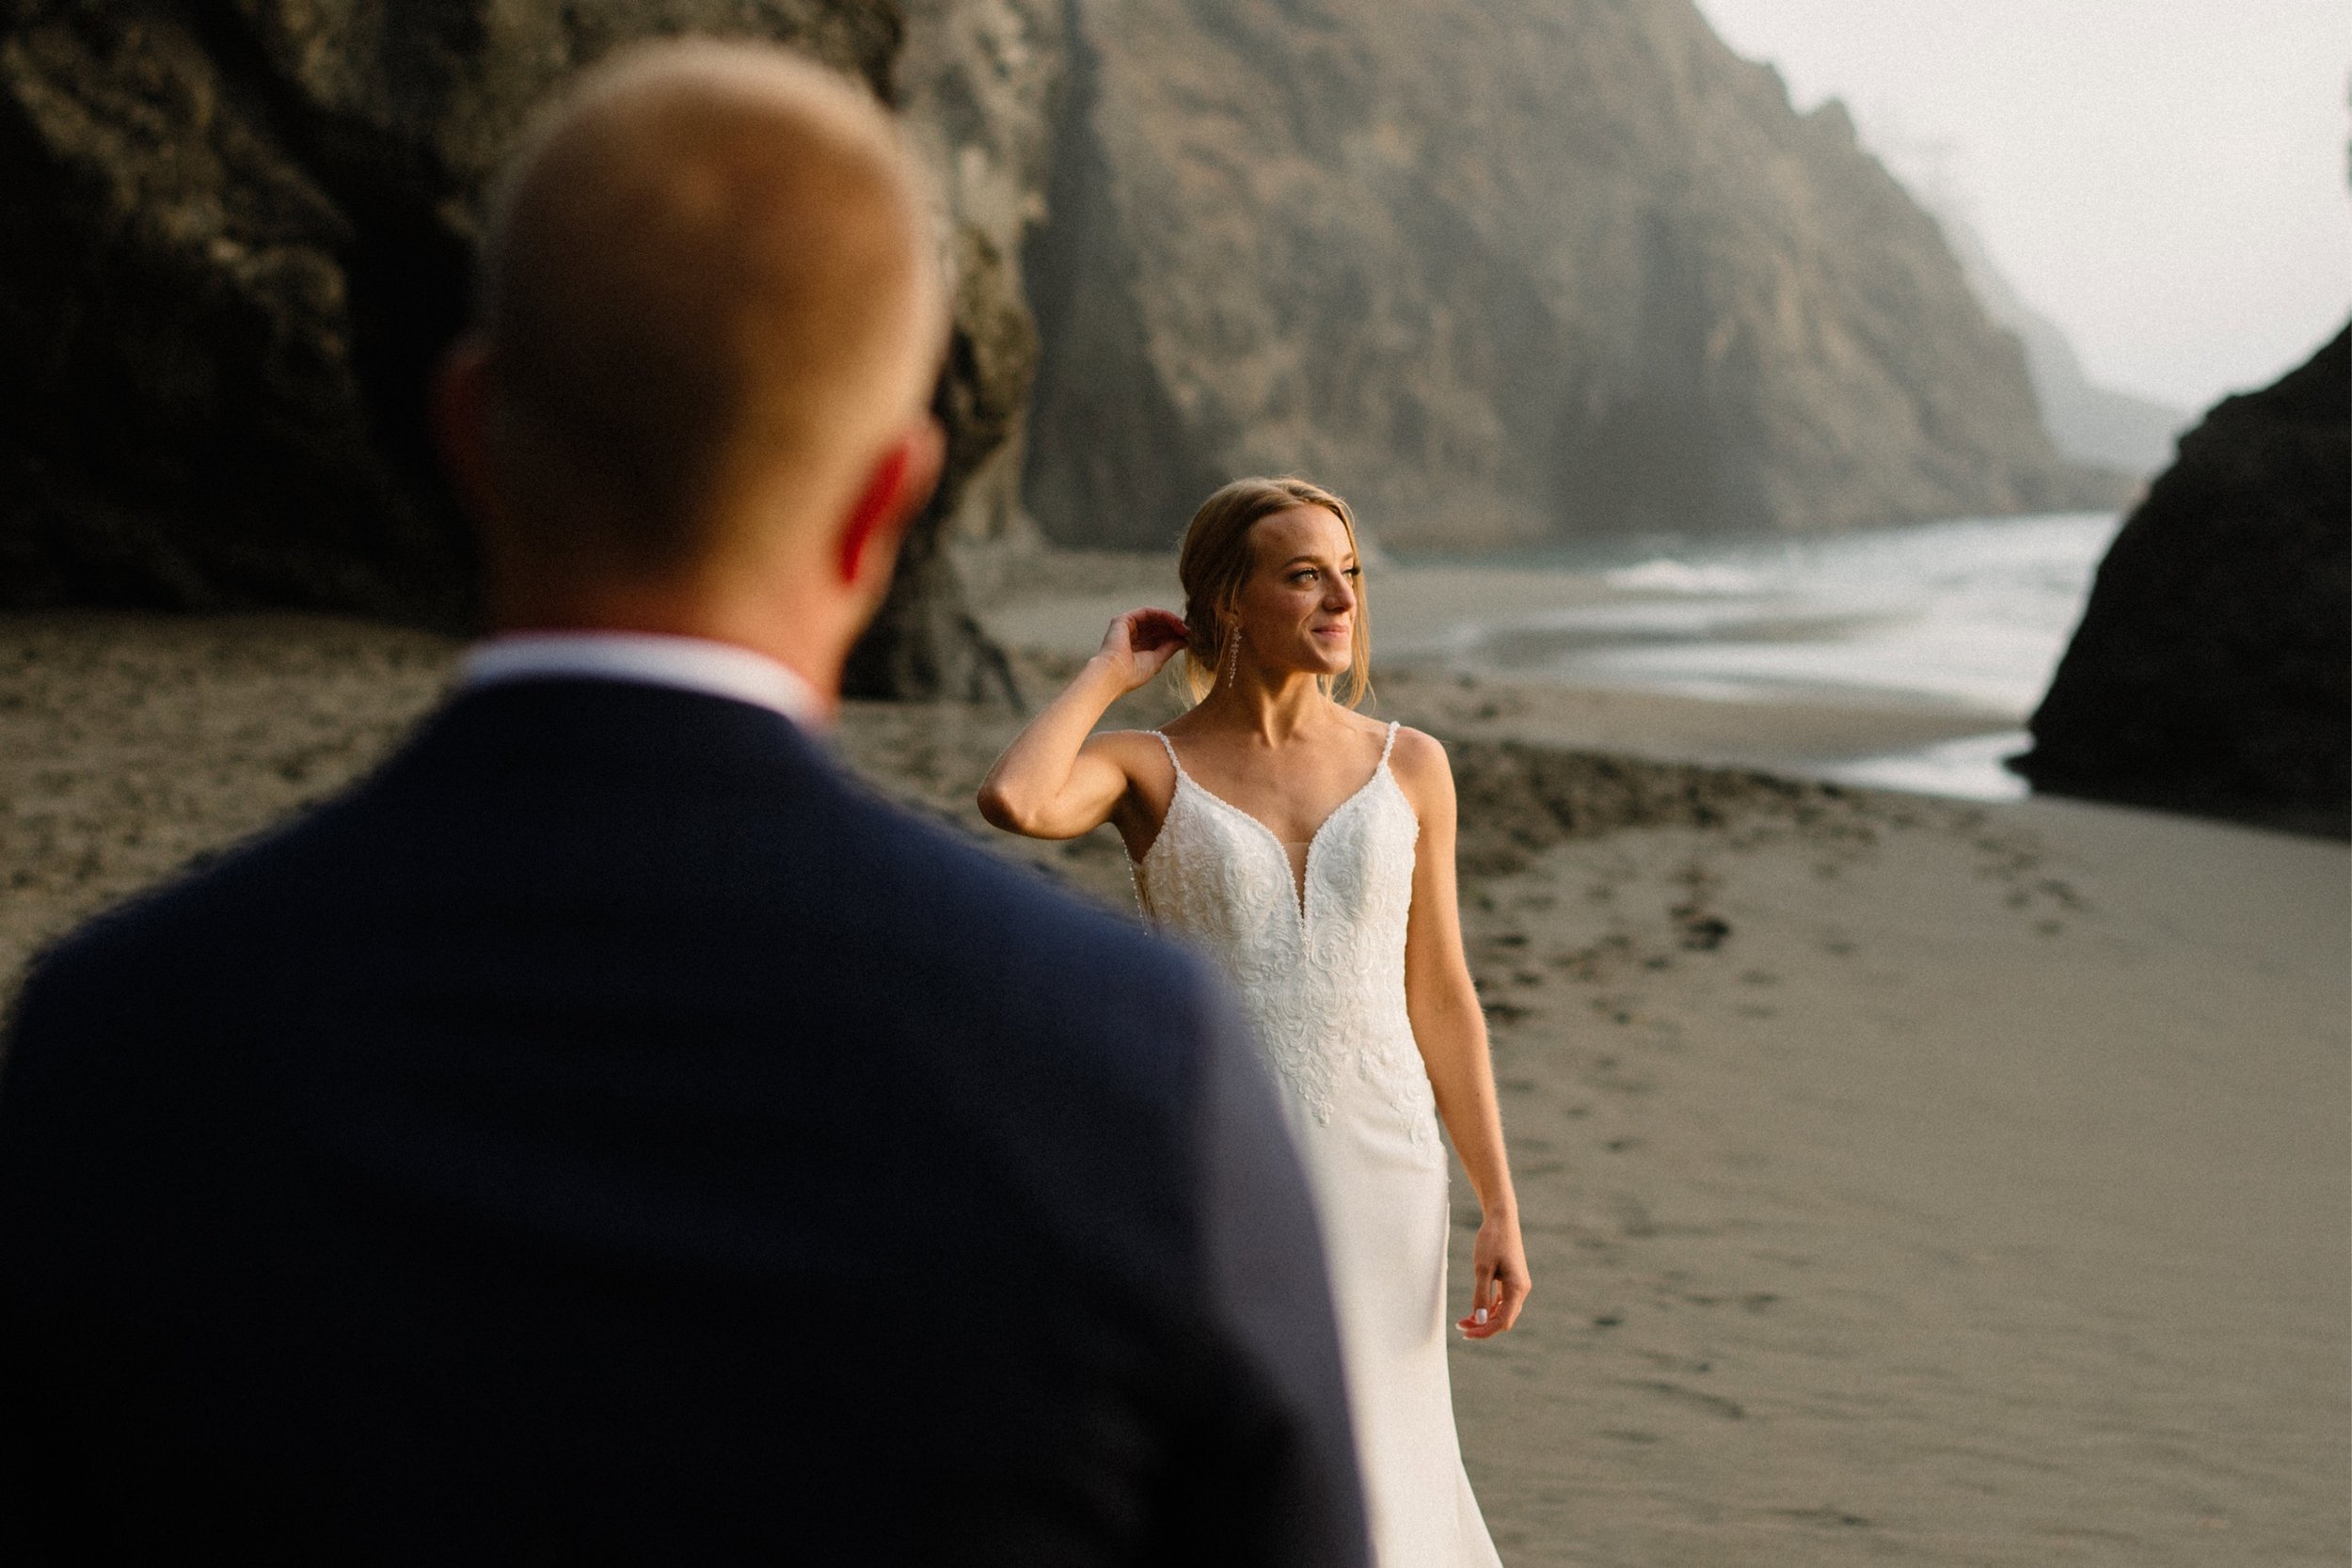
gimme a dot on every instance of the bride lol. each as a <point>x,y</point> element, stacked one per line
<point>1309,851</point>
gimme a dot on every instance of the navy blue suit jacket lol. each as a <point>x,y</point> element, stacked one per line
<point>611,1134</point>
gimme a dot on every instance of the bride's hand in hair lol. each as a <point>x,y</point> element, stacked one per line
<point>1140,642</point>
<point>1059,779</point>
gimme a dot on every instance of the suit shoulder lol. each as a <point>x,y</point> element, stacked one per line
<point>1064,953</point>
<point>204,905</point>
<point>927,850</point>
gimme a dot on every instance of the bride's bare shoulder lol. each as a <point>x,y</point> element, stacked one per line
<point>1138,753</point>
<point>1416,748</point>
<point>1420,764</point>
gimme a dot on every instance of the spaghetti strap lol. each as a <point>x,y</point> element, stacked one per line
<point>1170,746</point>
<point>1384,750</point>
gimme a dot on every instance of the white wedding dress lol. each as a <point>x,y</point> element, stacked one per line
<point>1322,975</point>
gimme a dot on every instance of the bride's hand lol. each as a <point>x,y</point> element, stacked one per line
<point>1141,644</point>
<point>1501,1281</point>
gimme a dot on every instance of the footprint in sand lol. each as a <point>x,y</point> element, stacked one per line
<point>1714,1405</point>
<point>1825,1515</point>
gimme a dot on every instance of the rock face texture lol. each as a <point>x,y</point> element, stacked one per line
<point>978,81</point>
<point>1500,271</point>
<point>1503,271</point>
<point>2213,667</point>
<point>235,235</point>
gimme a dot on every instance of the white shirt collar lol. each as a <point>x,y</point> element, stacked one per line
<point>686,663</point>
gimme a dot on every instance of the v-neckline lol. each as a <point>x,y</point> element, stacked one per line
<point>1305,878</point>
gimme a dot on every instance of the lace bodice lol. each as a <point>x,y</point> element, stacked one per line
<point>1321,971</point>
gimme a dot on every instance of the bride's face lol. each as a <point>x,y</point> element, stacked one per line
<point>1297,609</point>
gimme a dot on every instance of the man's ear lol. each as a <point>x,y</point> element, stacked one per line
<point>461,426</point>
<point>896,488</point>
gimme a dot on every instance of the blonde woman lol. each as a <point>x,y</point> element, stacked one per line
<point>1309,850</point>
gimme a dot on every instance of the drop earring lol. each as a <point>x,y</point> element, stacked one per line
<point>1232,662</point>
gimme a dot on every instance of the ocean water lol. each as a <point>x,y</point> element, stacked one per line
<point>1970,616</point>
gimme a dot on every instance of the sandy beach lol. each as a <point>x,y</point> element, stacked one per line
<point>1906,1179</point>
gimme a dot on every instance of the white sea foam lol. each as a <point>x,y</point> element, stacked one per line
<point>1680,577</point>
<point>1972,614</point>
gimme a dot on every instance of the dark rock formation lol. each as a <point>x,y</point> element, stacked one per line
<point>1500,270</point>
<point>2213,667</point>
<point>978,81</point>
<point>234,236</point>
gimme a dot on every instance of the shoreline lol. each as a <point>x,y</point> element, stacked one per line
<point>1418,616</point>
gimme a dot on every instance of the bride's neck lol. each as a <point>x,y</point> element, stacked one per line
<point>1279,710</point>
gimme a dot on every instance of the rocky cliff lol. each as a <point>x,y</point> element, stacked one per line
<point>2088,422</point>
<point>2213,667</point>
<point>234,236</point>
<point>978,81</point>
<point>1502,271</point>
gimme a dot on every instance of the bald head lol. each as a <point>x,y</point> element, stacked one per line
<point>707,300</point>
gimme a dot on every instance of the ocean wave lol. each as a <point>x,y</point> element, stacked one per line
<point>1663,575</point>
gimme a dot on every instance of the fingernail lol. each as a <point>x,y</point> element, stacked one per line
<point>1479,1316</point>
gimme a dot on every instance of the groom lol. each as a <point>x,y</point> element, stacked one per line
<point>608,1134</point>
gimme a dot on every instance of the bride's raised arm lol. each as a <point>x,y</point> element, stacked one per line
<point>1053,782</point>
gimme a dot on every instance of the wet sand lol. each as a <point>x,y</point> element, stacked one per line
<point>1905,1179</point>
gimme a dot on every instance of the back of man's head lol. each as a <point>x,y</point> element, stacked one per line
<point>707,303</point>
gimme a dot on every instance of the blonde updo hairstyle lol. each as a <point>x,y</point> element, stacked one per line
<point>1217,556</point>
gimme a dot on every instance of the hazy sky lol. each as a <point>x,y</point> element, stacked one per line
<point>2164,178</point>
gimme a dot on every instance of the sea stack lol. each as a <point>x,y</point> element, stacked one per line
<point>2213,668</point>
